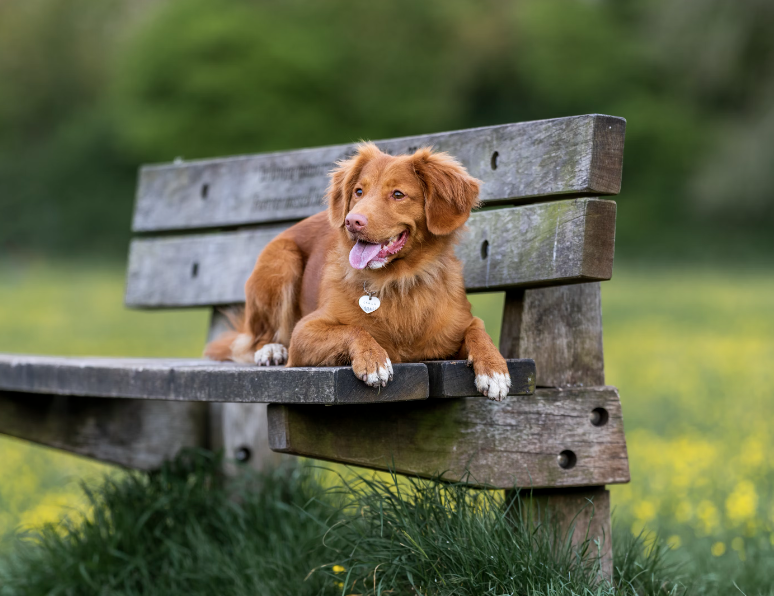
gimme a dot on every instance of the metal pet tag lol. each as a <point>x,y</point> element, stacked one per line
<point>369,303</point>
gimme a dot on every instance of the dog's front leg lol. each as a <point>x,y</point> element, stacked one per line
<point>317,342</point>
<point>492,377</point>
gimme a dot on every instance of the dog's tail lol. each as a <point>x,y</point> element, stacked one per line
<point>233,344</point>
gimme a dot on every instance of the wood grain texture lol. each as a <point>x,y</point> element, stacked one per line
<point>534,245</point>
<point>607,154</point>
<point>576,155</point>
<point>138,434</point>
<point>561,329</point>
<point>515,442</point>
<point>246,438</point>
<point>205,269</point>
<point>454,378</point>
<point>561,242</point>
<point>579,513</point>
<point>202,380</point>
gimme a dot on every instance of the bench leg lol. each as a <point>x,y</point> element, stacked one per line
<point>561,329</point>
<point>578,514</point>
<point>241,430</point>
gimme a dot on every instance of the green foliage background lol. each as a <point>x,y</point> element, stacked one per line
<point>90,90</point>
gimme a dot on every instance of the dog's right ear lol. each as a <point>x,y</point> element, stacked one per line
<point>343,180</point>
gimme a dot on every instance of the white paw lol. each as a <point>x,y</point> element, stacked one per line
<point>269,354</point>
<point>495,387</point>
<point>381,376</point>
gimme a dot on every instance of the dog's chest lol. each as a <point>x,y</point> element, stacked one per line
<point>409,325</point>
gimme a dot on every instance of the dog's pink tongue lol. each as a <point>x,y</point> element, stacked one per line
<point>362,253</point>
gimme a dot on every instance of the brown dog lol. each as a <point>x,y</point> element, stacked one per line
<point>389,234</point>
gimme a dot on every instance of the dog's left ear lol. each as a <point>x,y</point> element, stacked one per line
<point>450,192</point>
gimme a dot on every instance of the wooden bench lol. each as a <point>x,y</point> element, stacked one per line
<point>200,226</point>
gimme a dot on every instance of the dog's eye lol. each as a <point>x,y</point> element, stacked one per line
<point>396,194</point>
<point>359,192</point>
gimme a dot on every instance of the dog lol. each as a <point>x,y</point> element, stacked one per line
<point>374,280</point>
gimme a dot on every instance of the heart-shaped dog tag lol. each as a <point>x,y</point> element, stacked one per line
<point>369,303</point>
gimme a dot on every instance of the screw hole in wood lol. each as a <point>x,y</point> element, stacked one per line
<point>194,269</point>
<point>243,454</point>
<point>567,459</point>
<point>485,249</point>
<point>599,416</point>
<point>493,162</point>
<point>205,190</point>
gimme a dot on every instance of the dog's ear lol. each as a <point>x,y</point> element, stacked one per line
<point>343,180</point>
<point>450,192</point>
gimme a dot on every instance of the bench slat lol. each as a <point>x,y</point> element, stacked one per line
<point>135,433</point>
<point>561,242</point>
<point>576,155</point>
<point>454,378</point>
<point>513,442</point>
<point>204,380</point>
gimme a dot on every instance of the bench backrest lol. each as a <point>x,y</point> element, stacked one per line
<point>548,231</point>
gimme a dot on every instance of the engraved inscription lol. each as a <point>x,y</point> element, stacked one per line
<point>283,203</point>
<point>295,173</point>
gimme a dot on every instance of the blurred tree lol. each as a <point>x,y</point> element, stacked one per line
<point>90,90</point>
<point>64,187</point>
<point>217,77</point>
<point>725,54</point>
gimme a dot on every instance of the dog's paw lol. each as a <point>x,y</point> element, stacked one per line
<point>271,354</point>
<point>494,385</point>
<point>373,368</point>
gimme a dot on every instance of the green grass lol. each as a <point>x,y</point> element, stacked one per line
<point>179,531</point>
<point>690,350</point>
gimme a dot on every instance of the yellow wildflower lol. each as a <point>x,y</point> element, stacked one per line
<point>645,510</point>
<point>742,503</point>
<point>718,549</point>
<point>674,542</point>
<point>708,516</point>
<point>338,569</point>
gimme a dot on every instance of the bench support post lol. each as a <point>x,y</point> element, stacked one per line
<point>561,329</point>
<point>241,430</point>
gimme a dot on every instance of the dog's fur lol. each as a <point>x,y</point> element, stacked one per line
<point>302,297</point>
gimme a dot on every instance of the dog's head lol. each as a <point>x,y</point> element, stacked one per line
<point>388,206</point>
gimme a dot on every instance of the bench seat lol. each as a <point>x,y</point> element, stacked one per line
<point>204,380</point>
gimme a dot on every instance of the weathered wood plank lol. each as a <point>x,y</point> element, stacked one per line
<point>517,162</point>
<point>517,442</point>
<point>578,514</point>
<point>561,329</point>
<point>193,270</point>
<point>138,434</point>
<point>534,245</point>
<point>240,430</point>
<point>560,242</point>
<point>203,380</point>
<point>454,378</point>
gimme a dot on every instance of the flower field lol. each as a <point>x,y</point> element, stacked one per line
<point>692,352</point>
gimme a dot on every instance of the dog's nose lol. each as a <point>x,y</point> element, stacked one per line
<point>355,222</point>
